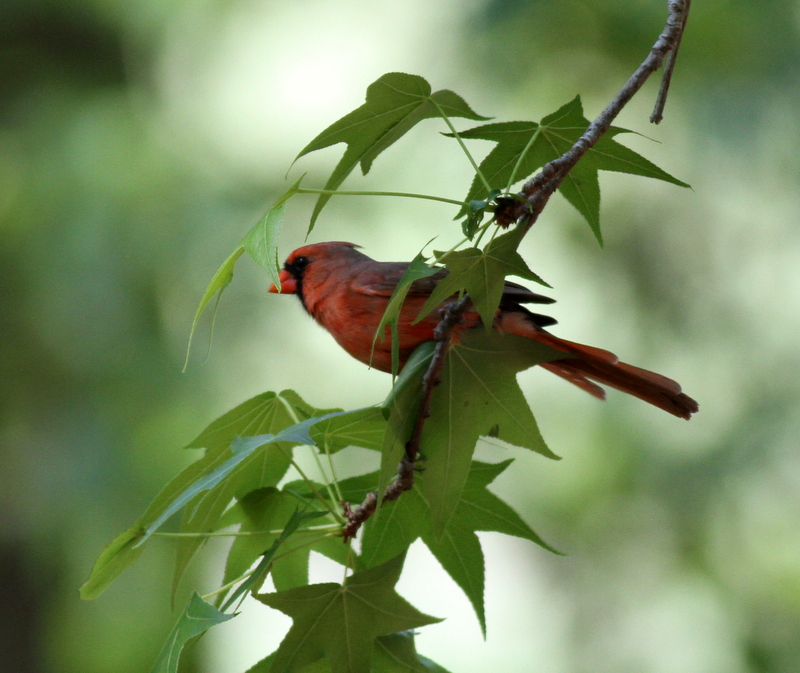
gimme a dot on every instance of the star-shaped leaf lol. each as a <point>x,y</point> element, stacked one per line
<point>478,396</point>
<point>341,622</point>
<point>523,147</point>
<point>262,414</point>
<point>265,414</point>
<point>395,653</point>
<point>395,103</point>
<point>482,274</point>
<point>250,463</point>
<point>397,524</point>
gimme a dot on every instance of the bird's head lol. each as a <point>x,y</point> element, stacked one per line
<point>319,257</point>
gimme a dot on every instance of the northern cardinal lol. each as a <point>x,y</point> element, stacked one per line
<point>347,293</point>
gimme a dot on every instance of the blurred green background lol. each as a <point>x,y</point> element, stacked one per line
<point>139,141</point>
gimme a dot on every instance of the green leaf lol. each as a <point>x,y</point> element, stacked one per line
<point>486,512</point>
<point>196,619</point>
<point>341,622</point>
<point>398,524</point>
<point>209,484</point>
<point>417,269</point>
<point>120,554</point>
<point>478,396</point>
<point>261,242</point>
<point>260,513</point>
<point>482,274</point>
<point>395,653</point>
<point>249,463</point>
<point>395,103</point>
<point>363,427</point>
<point>263,413</point>
<point>254,581</point>
<point>241,449</point>
<point>221,279</point>
<point>527,146</point>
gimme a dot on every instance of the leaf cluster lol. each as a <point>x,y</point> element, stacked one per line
<point>248,485</point>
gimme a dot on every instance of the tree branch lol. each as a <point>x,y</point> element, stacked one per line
<point>538,190</point>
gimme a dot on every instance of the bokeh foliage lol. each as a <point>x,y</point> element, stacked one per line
<point>111,223</point>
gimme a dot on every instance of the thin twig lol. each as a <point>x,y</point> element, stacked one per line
<point>669,67</point>
<point>443,336</point>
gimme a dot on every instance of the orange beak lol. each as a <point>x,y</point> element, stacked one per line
<point>288,284</point>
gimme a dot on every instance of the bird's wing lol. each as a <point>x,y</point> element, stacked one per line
<point>380,279</point>
<point>522,295</point>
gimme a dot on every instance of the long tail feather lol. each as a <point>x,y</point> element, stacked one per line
<point>634,381</point>
<point>594,364</point>
<point>562,369</point>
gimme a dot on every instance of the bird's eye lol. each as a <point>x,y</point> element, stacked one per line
<point>300,263</point>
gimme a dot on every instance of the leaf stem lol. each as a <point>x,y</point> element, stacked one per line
<point>334,513</point>
<point>512,177</point>
<point>326,527</point>
<point>321,469</point>
<point>334,480</point>
<point>463,146</point>
<point>236,581</point>
<point>331,510</point>
<point>229,585</point>
<point>410,195</point>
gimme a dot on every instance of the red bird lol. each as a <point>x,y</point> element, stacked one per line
<point>347,293</point>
